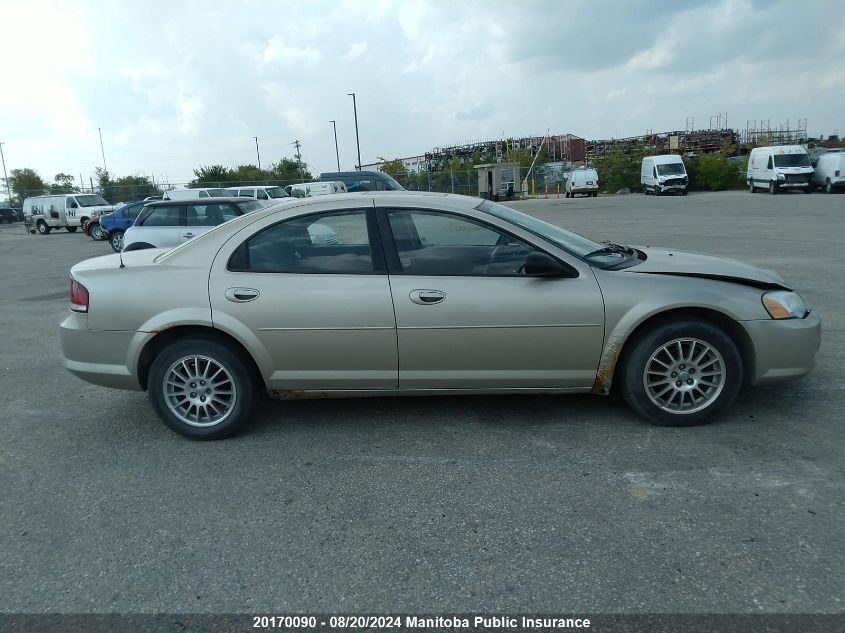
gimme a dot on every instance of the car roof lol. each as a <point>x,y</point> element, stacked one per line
<point>173,203</point>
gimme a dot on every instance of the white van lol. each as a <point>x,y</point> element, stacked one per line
<point>68,211</point>
<point>778,168</point>
<point>194,193</point>
<point>267,195</point>
<point>584,181</point>
<point>311,189</point>
<point>663,174</point>
<point>830,170</point>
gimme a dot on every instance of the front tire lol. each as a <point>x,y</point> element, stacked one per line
<point>201,389</point>
<point>43,227</point>
<point>773,188</point>
<point>682,373</point>
<point>828,186</point>
<point>97,233</point>
<point>751,187</point>
<point>71,229</point>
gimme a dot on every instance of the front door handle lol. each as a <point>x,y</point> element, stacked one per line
<point>427,297</point>
<point>242,295</point>
<point>187,234</point>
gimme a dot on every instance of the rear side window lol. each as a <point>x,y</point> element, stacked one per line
<point>262,195</point>
<point>132,212</point>
<point>209,214</point>
<point>162,216</point>
<point>335,242</point>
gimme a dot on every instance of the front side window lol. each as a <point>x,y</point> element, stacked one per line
<point>276,192</point>
<point>769,164</point>
<point>163,216</point>
<point>335,242</point>
<point>262,195</point>
<point>209,214</point>
<point>433,243</point>
<point>70,203</point>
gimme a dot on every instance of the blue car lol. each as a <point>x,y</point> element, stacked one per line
<point>114,224</point>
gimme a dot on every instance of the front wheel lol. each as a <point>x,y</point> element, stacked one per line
<point>681,374</point>
<point>684,192</point>
<point>116,241</point>
<point>751,187</point>
<point>773,188</point>
<point>656,190</point>
<point>97,233</point>
<point>201,389</point>
<point>828,186</point>
<point>43,227</point>
<point>71,229</point>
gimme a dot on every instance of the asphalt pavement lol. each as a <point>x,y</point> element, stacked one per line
<point>517,503</point>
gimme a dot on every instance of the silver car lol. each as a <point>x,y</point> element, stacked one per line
<point>408,293</point>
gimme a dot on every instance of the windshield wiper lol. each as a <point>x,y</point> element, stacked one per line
<point>612,248</point>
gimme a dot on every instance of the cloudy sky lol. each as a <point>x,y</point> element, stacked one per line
<point>178,83</point>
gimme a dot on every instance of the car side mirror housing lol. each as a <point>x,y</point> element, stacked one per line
<point>539,264</point>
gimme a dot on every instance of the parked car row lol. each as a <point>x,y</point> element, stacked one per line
<point>784,167</point>
<point>9,215</point>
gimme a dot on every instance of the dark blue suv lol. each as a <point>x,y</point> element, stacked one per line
<point>114,224</point>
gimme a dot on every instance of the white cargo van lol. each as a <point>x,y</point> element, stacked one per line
<point>779,167</point>
<point>67,211</point>
<point>664,174</point>
<point>584,181</point>
<point>830,171</point>
<point>194,193</point>
<point>311,189</point>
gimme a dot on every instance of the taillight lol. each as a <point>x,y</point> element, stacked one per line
<point>78,297</point>
<point>836,173</point>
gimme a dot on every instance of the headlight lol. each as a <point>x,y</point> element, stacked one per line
<point>783,304</point>
<point>781,177</point>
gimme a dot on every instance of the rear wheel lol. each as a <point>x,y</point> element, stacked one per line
<point>201,389</point>
<point>682,373</point>
<point>116,241</point>
<point>43,227</point>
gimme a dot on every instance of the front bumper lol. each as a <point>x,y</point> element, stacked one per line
<point>105,358</point>
<point>784,348</point>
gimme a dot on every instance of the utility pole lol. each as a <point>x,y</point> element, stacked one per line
<point>106,169</point>
<point>297,145</point>
<point>357,142</point>
<point>336,150</point>
<point>5,176</point>
<point>257,155</point>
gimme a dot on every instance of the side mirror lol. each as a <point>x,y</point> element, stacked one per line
<point>539,264</point>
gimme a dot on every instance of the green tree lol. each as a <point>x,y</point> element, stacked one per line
<point>132,188</point>
<point>211,175</point>
<point>714,172</point>
<point>393,167</point>
<point>62,183</point>
<point>620,168</point>
<point>288,170</point>
<point>26,182</point>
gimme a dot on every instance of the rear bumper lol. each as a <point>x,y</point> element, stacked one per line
<point>784,348</point>
<point>102,358</point>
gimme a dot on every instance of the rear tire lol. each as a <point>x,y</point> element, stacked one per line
<point>198,368</point>
<point>116,241</point>
<point>707,370</point>
<point>43,227</point>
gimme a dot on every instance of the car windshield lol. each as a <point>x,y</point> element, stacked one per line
<point>390,184</point>
<point>252,205</point>
<point>792,160</point>
<point>671,169</point>
<point>91,201</point>
<point>572,242</point>
<point>276,192</point>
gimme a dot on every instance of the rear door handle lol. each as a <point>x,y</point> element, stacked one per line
<point>242,295</point>
<point>427,297</point>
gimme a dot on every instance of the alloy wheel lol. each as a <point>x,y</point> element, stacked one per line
<point>684,376</point>
<point>199,391</point>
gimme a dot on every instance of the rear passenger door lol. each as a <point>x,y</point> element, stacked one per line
<point>160,226</point>
<point>200,218</point>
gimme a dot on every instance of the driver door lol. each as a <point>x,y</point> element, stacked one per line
<point>469,318</point>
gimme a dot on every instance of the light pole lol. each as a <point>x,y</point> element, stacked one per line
<point>336,150</point>
<point>357,142</point>
<point>8,190</point>
<point>102,151</point>
<point>257,155</point>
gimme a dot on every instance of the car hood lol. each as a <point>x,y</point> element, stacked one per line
<point>664,261</point>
